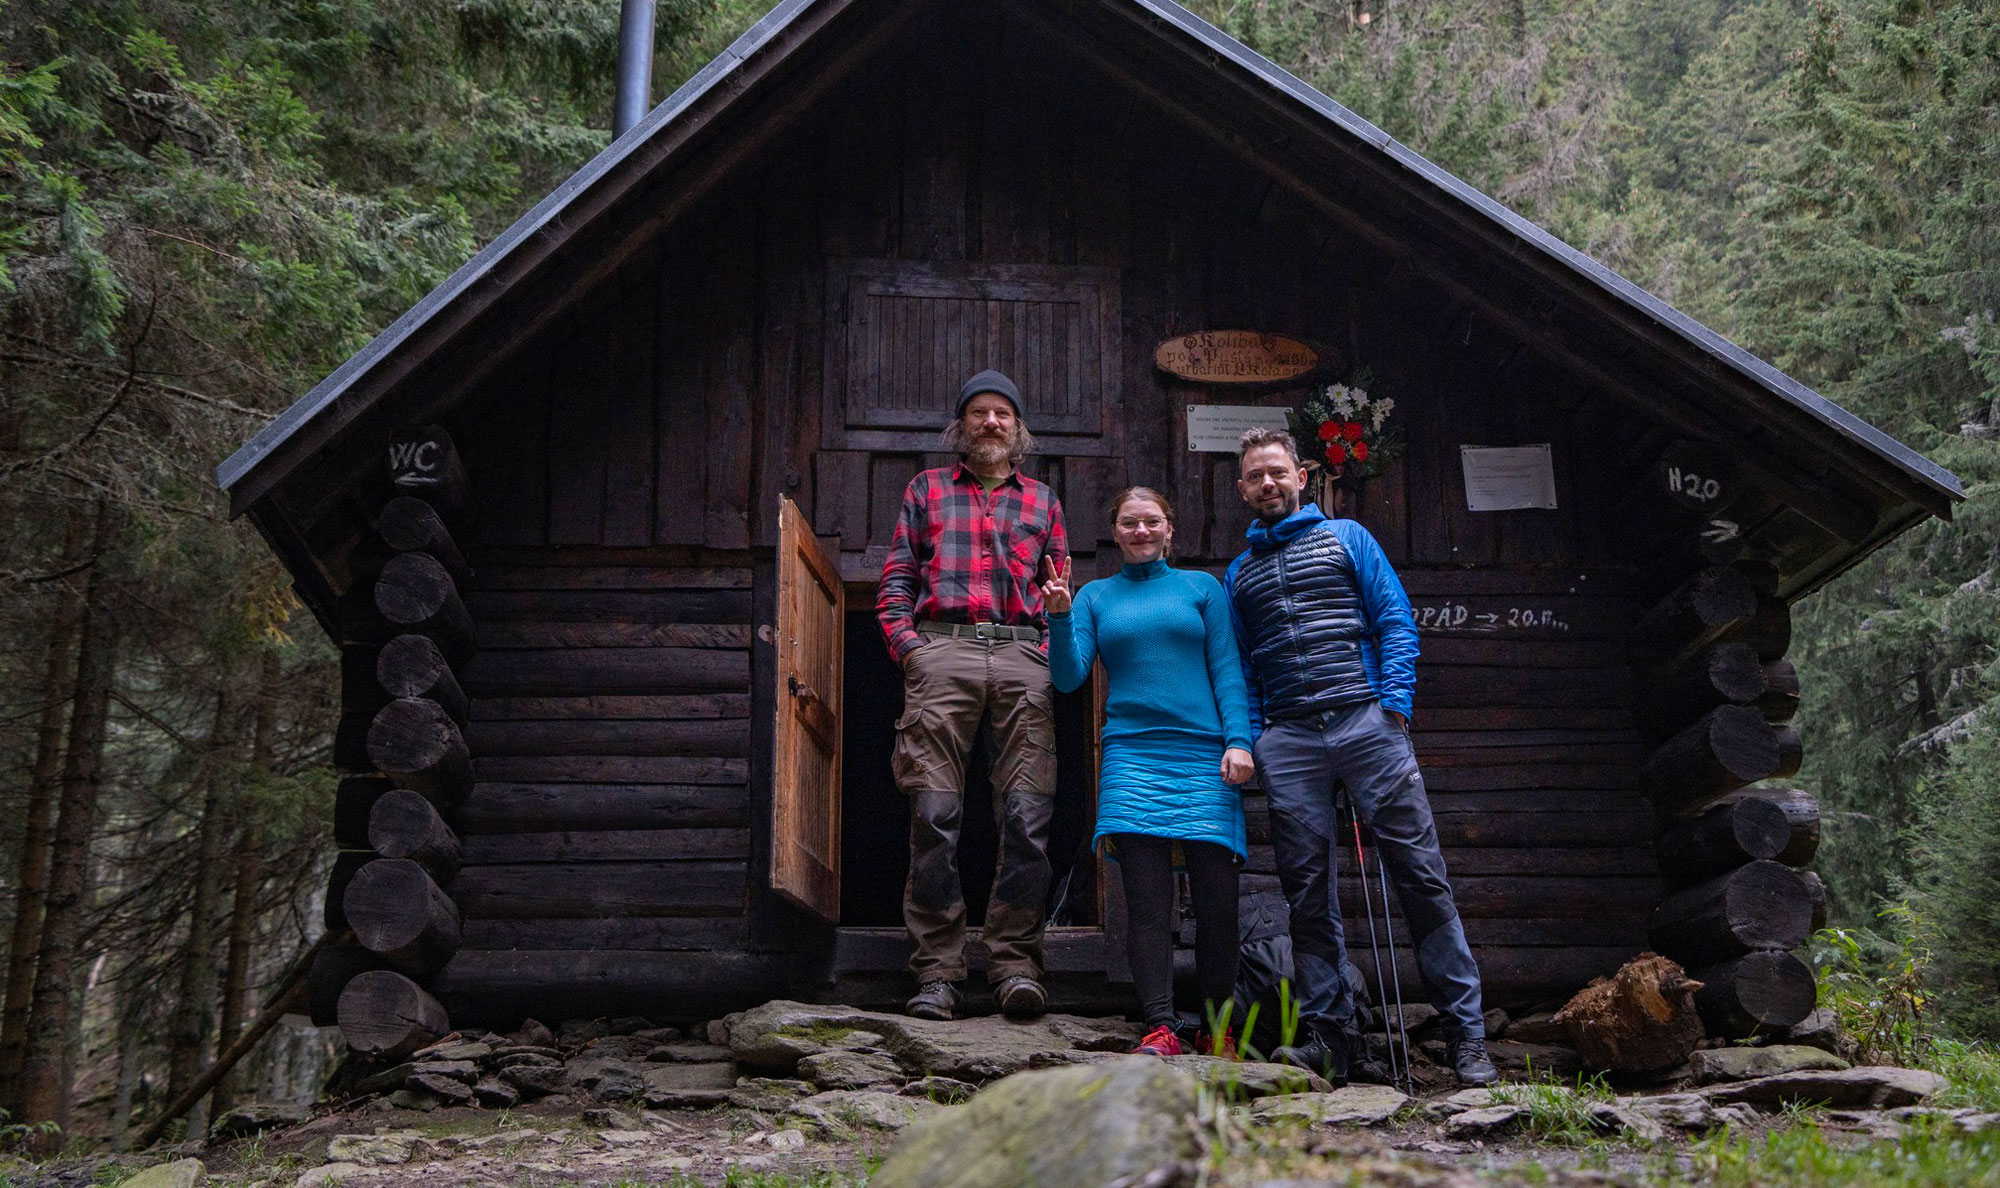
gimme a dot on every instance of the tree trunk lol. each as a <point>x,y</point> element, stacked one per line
<point>45,1088</point>
<point>129,1034</point>
<point>244,901</point>
<point>32,875</point>
<point>188,1033</point>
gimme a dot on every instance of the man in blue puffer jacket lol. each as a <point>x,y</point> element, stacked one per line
<point>1330,652</point>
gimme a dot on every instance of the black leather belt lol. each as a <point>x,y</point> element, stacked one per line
<point>980,630</point>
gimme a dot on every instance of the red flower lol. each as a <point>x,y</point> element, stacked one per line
<point>1335,454</point>
<point>1360,451</point>
<point>1351,431</point>
<point>1329,431</point>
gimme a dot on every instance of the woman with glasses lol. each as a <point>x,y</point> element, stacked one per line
<point>1176,742</point>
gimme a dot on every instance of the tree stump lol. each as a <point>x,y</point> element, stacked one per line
<point>1640,1019</point>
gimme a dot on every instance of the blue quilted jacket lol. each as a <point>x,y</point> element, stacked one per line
<point>1321,619</point>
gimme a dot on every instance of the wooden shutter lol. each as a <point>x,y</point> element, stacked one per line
<point>805,772</point>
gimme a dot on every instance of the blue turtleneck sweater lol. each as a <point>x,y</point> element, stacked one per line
<point>1176,700</point>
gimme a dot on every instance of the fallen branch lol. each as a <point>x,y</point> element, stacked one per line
<point>290,997</point>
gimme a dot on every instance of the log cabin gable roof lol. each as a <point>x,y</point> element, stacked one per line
<point>1471,247</point>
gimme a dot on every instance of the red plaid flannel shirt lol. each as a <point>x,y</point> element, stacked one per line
<point>961,555</point>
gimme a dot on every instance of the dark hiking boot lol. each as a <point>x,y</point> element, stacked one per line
<point>1362,1066</point>
<point>1467,1056</point>
<point>933,1000</point>
<point>1021,997</point>
<point>1316,1055</point>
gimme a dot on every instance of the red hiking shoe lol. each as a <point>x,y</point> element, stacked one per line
<point>1222,1046</point>
<point>1160,1041</point>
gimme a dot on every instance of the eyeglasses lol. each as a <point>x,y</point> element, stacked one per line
<point>1150,524</point>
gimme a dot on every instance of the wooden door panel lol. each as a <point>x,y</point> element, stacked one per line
<point>805,774</point>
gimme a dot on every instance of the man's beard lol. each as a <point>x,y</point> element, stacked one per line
<point>1284,510</point>
<point>989,452</point>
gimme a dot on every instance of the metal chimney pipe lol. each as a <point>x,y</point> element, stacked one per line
<point>634,95</point>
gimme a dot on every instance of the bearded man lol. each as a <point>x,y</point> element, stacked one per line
<point>962,612</point>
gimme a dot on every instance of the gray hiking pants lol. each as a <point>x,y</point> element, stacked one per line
<point>1362,747</point>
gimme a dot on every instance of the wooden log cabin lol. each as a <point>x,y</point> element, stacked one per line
<point>617,713</point>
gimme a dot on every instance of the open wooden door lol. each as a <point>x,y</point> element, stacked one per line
<point>805,769</point>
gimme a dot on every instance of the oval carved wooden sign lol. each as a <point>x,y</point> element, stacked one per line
<point>1235,357</point>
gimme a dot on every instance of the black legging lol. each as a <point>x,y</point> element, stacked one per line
<point>1147,866</point>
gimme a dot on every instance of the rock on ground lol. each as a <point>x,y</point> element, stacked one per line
<point>839,1111</point>
<point>1681,1111</point>
<point>1351,1105</point>
<point>1877,1087</point>
<point>1249,1078</point>
<point>1116,1121</point>
<point>247,1120</point>
<point>1744,1064</point>
<point>182,1173</point>
<point>776,1036</point>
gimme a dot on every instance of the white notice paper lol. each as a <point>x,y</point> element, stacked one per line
<point>1508,477</point>
<point>1218,428</point>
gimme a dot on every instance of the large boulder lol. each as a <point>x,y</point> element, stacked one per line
<point>776,1036</point>
<point>1116,1121</point>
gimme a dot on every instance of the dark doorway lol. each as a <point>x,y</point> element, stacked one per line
<point>875,815</point>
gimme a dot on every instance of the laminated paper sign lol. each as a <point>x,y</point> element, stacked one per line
<point>1507,478</point>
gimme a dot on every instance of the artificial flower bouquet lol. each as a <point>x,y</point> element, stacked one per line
<point>1343,431</point>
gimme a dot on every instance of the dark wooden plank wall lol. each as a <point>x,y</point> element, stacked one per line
<point>683,396</point>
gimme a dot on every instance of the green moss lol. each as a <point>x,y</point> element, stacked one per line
<point>822,1033</point>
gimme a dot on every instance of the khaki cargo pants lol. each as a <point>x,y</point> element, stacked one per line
<point>951,685</point>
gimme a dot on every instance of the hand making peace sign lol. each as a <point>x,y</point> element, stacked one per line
<point>1056,593</point>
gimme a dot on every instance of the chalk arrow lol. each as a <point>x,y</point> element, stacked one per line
<point>1721,531</point>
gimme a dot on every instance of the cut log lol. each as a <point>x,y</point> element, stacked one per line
<point>424,462</point>
<point>1724,837</point>
<point>1801,809</point>
<point>1780,699</point>
<point>412,666</point>
<point>332,968</point>
<point>400,914</point>
<point>1727,674</point>
<point>1756,994</point>
<point>409,525</point>
<point>1791,753</point>
<point>404,825</point>
<point>353,800</point>
<point>1816,890</point>
<point>415,743</point>
<point>1759,906</point>
<point>1640,1019</point>
<point>1696,614</point>
<point>415,594</point>
<point>386,1016</point>
<point>345,865</point>
<point>1729,747</point>
<point>1769,630</point>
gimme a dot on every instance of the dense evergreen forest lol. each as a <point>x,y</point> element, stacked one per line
<point>206,205</point>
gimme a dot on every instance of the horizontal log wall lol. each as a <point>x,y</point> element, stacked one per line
<point>605,845</point>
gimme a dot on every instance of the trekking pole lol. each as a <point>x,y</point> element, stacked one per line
<point>1395,975</point>
<point>1374,948</point>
